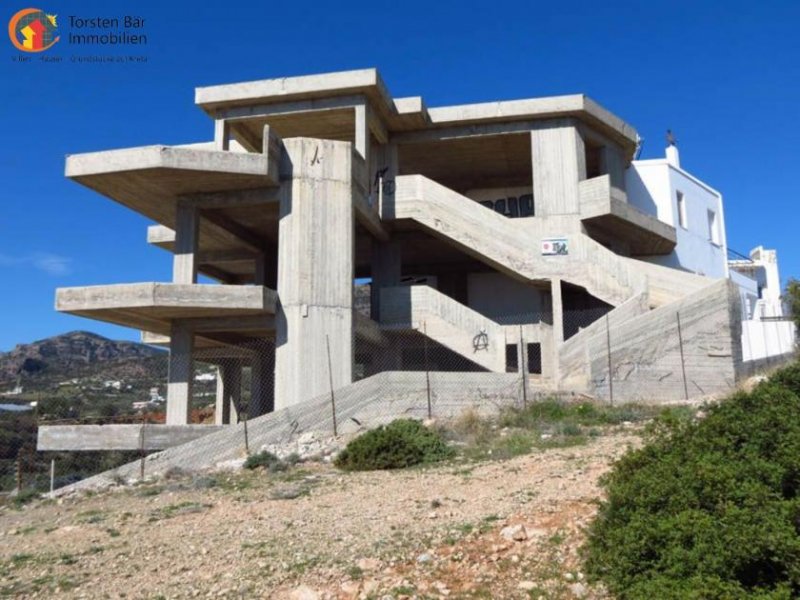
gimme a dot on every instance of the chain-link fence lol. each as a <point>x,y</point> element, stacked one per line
<point>244,396</point>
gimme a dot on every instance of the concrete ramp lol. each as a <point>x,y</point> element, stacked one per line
<point>445,321</point>
<point>368,403</point>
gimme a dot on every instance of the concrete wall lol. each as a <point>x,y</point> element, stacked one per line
<point>502,298</point>
<point>646,362</point>
<point>652,187</point>
<point>446,321</point>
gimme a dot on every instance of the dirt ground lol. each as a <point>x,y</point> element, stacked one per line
<point>497,529</point>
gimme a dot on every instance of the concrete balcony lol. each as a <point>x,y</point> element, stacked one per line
<point>606,214</point>
<point>150,179</point>
<point>247,310</point>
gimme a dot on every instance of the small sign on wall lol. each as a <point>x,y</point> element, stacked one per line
<point>555,247</point>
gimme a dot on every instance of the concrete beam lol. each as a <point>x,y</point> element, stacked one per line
<point>73,438</point>
<point>233,198</point>
<point>242,234</point>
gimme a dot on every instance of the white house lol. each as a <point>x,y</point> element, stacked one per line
<point>662,188</point>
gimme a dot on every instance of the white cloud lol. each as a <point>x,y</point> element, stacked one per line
<point>52,264</point>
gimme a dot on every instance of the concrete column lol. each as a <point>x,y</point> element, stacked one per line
<point>262,383</point>
<point>222,135</point>
<point>362,133</point>
<point>315,270</point>
<point>265,271</point>
<point>181,374</point>
<point>229,389</point>
<point>558,159</point>
<point>386,272</point>
<point>184,262</point>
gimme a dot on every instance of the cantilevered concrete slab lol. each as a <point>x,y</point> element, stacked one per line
<point>154,306</point>
<point>286,103</point>
<point>605,211</point>
<point>151,179</point>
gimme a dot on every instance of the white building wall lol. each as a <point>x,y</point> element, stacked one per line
<point>763,339</point>
<point>653,186</point>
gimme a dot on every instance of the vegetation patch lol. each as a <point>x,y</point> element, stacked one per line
<point>708,508</point>
<point>270,462</point>
<point>400,444</point>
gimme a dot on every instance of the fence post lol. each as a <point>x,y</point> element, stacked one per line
<point>52,476</point>
<point>608,354</point>
<point>683,361</point>
<point>330,381</point>
<point>427,369</point>
<point>142,447</point>
<point>244,421</point>
<point>19,472</point>
<point>523,355</point>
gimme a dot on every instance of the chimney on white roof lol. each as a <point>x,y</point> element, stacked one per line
<point>673,156</point>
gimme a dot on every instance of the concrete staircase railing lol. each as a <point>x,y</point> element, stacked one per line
<point>511,246</point>
<point>445,321</point>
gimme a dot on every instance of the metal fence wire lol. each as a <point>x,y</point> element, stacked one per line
<point>424,368</point>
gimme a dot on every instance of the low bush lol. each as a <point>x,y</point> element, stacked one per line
<point>401,443</point>
<point>267,460</point>
<point>710,508</point>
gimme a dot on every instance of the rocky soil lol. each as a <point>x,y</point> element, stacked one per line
<point>500,529</point>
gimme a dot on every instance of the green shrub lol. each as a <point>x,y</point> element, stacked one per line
<point>788,377</point>
<point>401,443</point>
<point>265,459</point>
<point>709,508</point>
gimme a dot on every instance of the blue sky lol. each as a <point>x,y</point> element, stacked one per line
<point>724,76</point>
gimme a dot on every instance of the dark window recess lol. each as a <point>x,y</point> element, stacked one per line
<point>512,364</point>
<point>512,207</point>
<point>535,359</point>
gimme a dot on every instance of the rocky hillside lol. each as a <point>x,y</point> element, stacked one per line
<point>67,355</point>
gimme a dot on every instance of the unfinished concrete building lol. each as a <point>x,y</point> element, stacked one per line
<point>486,223</point>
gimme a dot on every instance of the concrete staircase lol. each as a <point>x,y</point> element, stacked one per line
<point>512,246</point>
<point>445,321</point>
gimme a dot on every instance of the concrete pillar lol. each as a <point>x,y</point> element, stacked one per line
<point>222,135</point>
<point>184,262</point>
<point>229,390</point>
<point>558,158</point>
<point>262,382</point>
<point>181,374</point>
<point>362,133</point>
<point>315,270</point>
<point>386,272</point>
